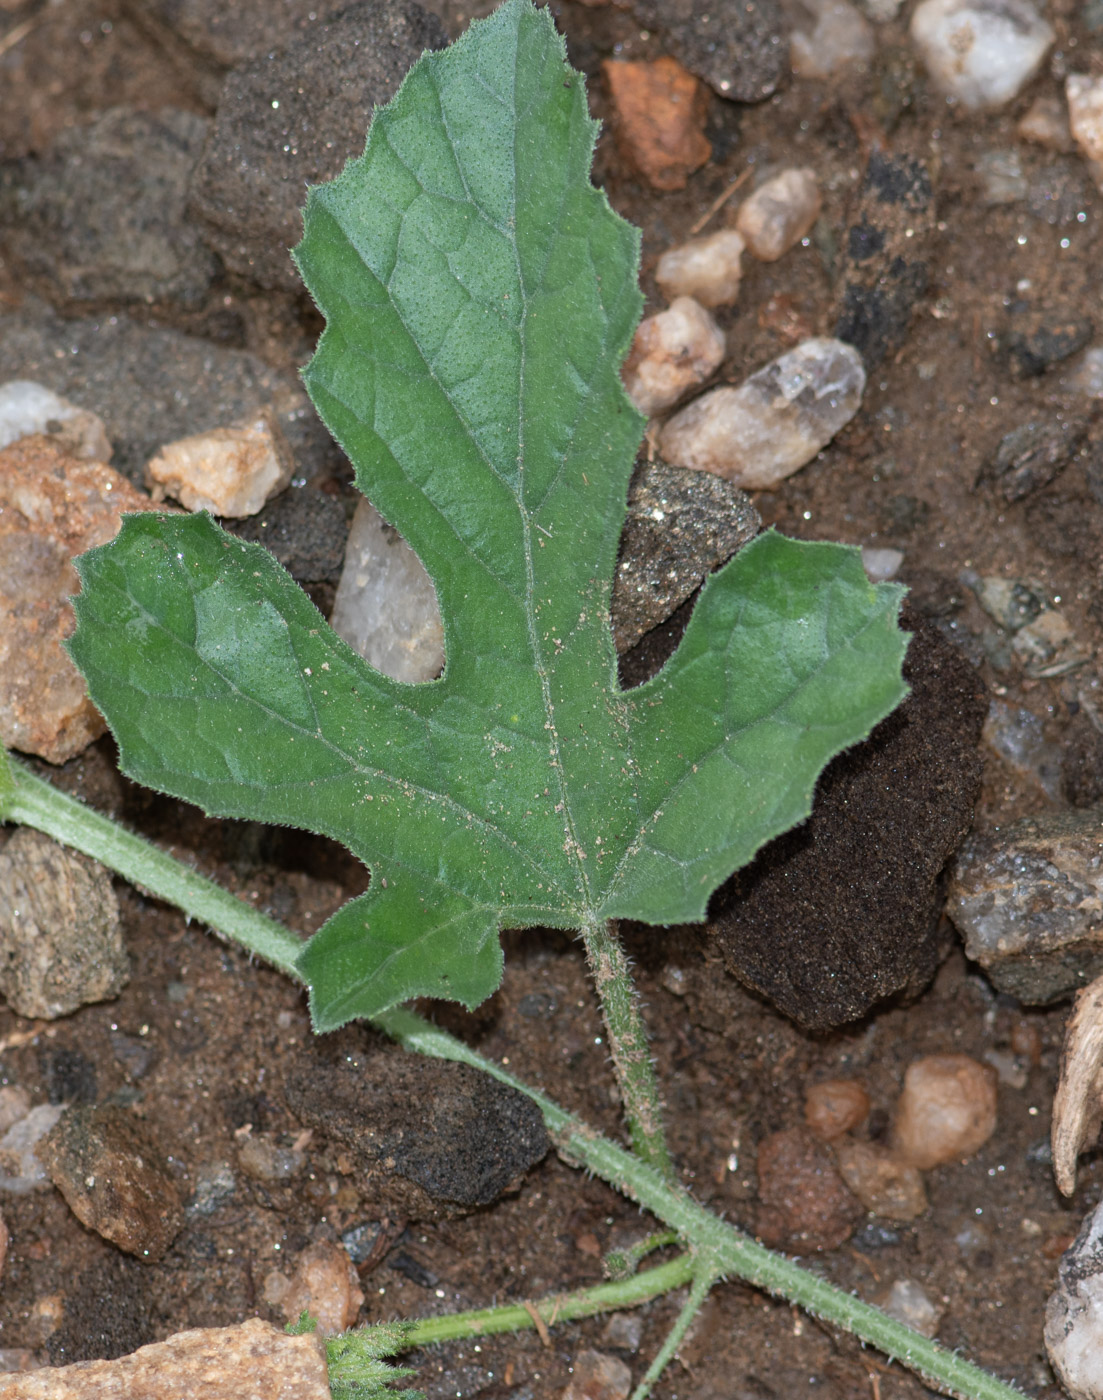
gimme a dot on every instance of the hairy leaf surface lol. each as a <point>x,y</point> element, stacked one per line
<point>480,296</point>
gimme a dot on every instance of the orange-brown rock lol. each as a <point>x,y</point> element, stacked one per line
<point>217,1363</point>
<point>659,119</point>
<point>325,1285</point>
<point>52,506</point>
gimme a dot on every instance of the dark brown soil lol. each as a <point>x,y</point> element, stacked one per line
<point>203,1040</point>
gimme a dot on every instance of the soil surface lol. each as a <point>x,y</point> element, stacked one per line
<point>202,1041</point>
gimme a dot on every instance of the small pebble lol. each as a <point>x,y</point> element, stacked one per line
<point>1049,647</point>
<point>1001,176</point>
<point>61,943</point>
<point>884,1185</point>
<point>596,1375</point>
<point>1046,123</point>
<point>1010,602</point>
<point>1087,377</point>
<point>386,606</point>
<point>779,213</point>
<point>17,1359</point>
<point>20,1169</point>
<point>983,55</point>
<point>881,564</point>
<point>27,408</point>
<point>834,1107</point>
<point>1074,1313</point>
<point>15,1103</point>
<point>324,1284</point>
<point>803,1203</point>
<point>946,1112</point>
<point>775,421</point>
<point>1085,99</point>
<point>261,1157</point>
<point>838,37</point>
<point>1018,736</point>
<point>228,471</point>
<point>52,506</point>
<point>114,1178</point>
<point>659,115</point>
<point>707,269</point>
<point>623,1331</point>
<point>218,1363</point>
<point>1034,454</point>
<point>214,1186</point>
<point>908,1303</point>
<point>673,353</point>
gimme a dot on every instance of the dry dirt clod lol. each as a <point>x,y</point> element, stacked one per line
<point>946,1112</point>
<point>113,1176</point>
<point>215,1363</point>
<point>52,506</point>
<point>803,1203</point>
<point>61,944</point>
<point>659,119</point>
<point>1078,1103</point>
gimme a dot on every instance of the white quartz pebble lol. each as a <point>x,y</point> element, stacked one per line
<point>672,353</point>
<point>837,36</point>
<point>880,563</point>
<point>386,605</point>
<point>981,52</point>
<point>1085,99</point>
<point>779,213</point>
<point>707,269</point>
<point>775,421</point>
<point>946,1112</point>
<point>27,407</point>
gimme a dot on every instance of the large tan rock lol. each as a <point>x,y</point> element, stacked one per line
<point>214,1363</point>
<point>52,506</point>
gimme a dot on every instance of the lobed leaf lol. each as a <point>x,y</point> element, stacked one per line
<point>480,296</point>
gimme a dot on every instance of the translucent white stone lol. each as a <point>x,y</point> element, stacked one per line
<point>386,605</point>
<point>981,52</point>
<point>27,407</point>
<point>1087,377</point>
<point>881,564</point>
<point>836,35</point>
<point>779,213</point>
<point>707,269</point>
<point>673,352</point>
<point>1074,1314</point>
<point>772,424</point>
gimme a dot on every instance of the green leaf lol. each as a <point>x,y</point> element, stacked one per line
<point>480,295</point>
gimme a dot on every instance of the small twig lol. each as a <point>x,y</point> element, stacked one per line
<point>720,200</point>
<point>18,34</point>
<point>539,1323</point>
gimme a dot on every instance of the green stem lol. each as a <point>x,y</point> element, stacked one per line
<point>627,1036</point>
<point>563,1307</point>
<point>27,799</point>
<point>730,1250</point>
<point>703,1279</point>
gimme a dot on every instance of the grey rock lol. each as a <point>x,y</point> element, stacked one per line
<point>1031,456</point>
<point>20,1169</point>
<point>738,47</point>
<point>1036,339</point>
<point>429,1139</point>
<point>151,385</point>
<point>111,1171</point>
<point>60,940</point>
<point>681,525</point>
<point>100,217</point>
<point>291,120</point>
<point>1074,1313</point>
<point>227,35</point>
<point>214,1186</point>
<point>305,529</point>
<point>1028,900</point>
<point>885,270</point>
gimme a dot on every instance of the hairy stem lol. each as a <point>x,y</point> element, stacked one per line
<point>27,799</point>
<point>620,1008</point>
<point>560,1307</point>
<point>703,1279</point>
